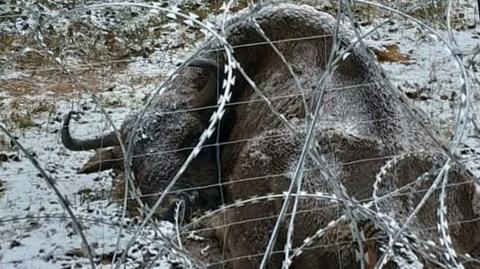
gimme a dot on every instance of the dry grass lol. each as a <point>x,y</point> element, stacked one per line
<point>4,145</point>
<point>50,81</point>
<point>22,112</point>
<point>432,12</point>
<point>22,121</point>
<point>391,53</point>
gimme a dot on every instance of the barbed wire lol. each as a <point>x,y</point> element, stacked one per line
<point>273,176</point>
<point>336,244</point>
<point>230,181</point>
<point>127,153</point>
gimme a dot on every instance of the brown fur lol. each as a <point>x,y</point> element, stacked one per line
<point>162,141</point>
<point>360,123</point>
<point>360,126</point>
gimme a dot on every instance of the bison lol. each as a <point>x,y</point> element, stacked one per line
<point>163,139</point>
<point>365,140</point>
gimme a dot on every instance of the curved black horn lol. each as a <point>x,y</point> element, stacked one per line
<point>211,66</point>
<point>208,95</point>
<point>108,140</point>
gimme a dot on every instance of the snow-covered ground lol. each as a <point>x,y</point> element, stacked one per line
<point>432,78</point>
<point>35,231</point>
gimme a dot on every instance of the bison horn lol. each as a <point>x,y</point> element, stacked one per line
<point>208,95</point>
<point>108,140</point>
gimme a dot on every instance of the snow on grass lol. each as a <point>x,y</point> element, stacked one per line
<point>434,78</point>
<point>35,232</point>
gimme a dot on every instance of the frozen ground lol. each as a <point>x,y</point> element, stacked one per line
<point>35,231</point>
<point>432,79</point>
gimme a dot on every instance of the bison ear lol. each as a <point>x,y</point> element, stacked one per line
<point>204,101</point>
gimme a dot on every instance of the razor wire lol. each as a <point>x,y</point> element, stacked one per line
<point>219,107</point>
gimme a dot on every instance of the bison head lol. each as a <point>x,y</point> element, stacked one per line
<point>162,140</point>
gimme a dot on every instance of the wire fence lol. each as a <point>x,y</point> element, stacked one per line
<point>302,151</point>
